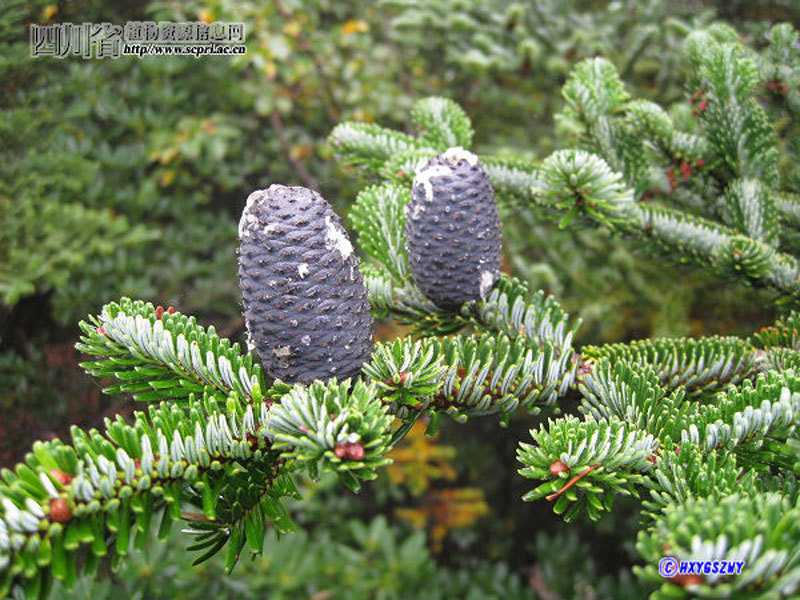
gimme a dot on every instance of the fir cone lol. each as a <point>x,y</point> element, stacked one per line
<point>305,304</point>
<point>452,230</point>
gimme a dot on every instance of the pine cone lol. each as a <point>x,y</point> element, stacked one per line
<point>305,304</point>
<point>452,230</point>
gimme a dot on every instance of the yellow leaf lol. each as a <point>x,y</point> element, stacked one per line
<point>168,177</point>
<point>49,11</point>
<point>205,15</point>
<point>416,517</point>
<point>419,459</point>
<point>166,157</point>
<point>446,509</point>
<point>209,126</point>
<point>363,115</point>
<point>438,533</point>
<point>301,151</point>
<point>292,29</point>
<point>354,26</point>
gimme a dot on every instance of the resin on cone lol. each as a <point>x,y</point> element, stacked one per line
<point>305,305</point>
<point>453,235</point>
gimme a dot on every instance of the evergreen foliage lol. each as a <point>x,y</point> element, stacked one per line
<point>705,429</point>
<point>370,560</point>
<point>690,420</point>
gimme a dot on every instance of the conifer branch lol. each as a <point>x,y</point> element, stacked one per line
<point>406,374</point>
<point>91,495</point>
<point>750,414</point>
<point>707,427</point>
<point>788,207</point>
<point>363,144</point>
<point>784,333</point>
<point>379,218</point>
<point>344,430</point>
<point>378,215</point>
<point>686,471</point>
<point>157,354</point>
<point>215,451</point>
<point>752,211</point>
<point>510,308</point>
<point>632,393</point>
<point>443,123</point>
<point>473,375</point>
<point>580,184</point>
<point>611,457</point>
<point>512,179</point>
<point>400,168</point>
<point>723,445</point>
<point>697,365</point>
<point>735,124</point>
<point>759,531</point>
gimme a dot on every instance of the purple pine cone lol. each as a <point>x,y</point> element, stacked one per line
<point>453,235</point>
<point>305,304</point>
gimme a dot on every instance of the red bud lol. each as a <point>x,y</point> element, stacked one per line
<point>355,451</point>
<point>673,183</point>
<point>60,512</point>
<point>61,477</point>
<point>687,579</point>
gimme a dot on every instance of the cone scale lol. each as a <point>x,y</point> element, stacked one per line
<point>305,305</point>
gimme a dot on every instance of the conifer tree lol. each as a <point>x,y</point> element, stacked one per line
<point>703,430</point>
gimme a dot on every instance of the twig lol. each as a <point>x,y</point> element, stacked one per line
<point>573,481</point>
<point>193,516</point>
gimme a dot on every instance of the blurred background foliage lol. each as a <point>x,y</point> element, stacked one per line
<point>126,177</point>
